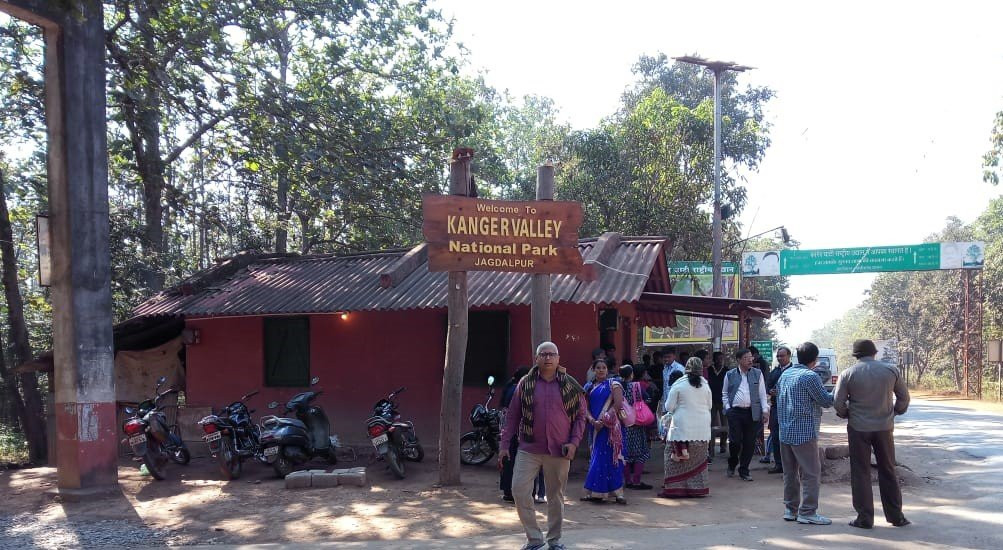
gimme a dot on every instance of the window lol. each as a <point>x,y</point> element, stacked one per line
<point>487,348</point>
<point>287,351</point>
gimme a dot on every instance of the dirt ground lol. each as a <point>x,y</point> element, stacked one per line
<point>195,507</point>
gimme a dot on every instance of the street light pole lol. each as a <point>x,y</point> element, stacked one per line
<point>716,330</point>
<point>717,67</point>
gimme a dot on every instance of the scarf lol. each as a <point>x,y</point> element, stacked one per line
<point>571,396</point>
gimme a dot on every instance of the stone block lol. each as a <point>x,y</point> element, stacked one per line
<point>298,480</point>
<point>324,479</point>
<point>837,452</point>
<point>352,476</point>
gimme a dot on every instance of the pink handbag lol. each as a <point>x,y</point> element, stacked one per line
<point>642,414</point>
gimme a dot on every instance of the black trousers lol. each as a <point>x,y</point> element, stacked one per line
<point>883,444</point>
<point>742,434</point>
<point>775,437</point>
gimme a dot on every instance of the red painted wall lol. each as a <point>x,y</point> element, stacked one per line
<point>362,358</point>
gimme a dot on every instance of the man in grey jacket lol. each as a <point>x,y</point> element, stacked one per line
<point>864,395</point>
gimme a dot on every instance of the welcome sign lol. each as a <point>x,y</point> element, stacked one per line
<point>471,234</point>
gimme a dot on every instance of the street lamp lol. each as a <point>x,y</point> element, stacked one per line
<point>717,67</point>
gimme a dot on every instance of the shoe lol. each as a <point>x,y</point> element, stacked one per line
<point>764,460</point>
<point>643,486</point>
<point>789,516</point>
<point>901,523</point>
<point>731,472</point>
<point>533,546</point>
<point>860,525</point>
<point>621,501</point>
<point>590,498</point>
<point>508,498</point>
<point>557,546</point>
<point>540,500</point>
<point>814,520</point>
<point>630,486</point>
<point>745,477</point>
<point>775,471</point>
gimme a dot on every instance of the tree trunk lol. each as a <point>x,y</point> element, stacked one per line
<point>282,47</point>
<point>31,411</point>
<point>149,160</point>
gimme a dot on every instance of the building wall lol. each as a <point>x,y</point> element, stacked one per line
<point>363,358</point>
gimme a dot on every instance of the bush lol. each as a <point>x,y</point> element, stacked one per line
<point>13,446</point>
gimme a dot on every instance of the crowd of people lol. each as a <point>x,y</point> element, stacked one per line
<point>688,402</point>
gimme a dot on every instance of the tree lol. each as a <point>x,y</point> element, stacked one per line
<point>991,160</point>
<point>22,105</point>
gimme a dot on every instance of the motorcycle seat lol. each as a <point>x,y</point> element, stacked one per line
<point>276,422</point>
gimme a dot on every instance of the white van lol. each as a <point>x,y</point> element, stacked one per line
<point>826,367</point>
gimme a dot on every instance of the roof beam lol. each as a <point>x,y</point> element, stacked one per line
<point>404,266</point>
<point>600,254</point>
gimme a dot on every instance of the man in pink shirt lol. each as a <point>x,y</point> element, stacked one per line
<point>548,414</point>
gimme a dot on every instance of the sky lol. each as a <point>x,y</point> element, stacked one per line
<point>882,114</point>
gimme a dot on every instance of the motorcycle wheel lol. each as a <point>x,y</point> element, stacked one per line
<point>395,462</point>
<point>155,462</point>
<point>181,455</point>
<point>229,463</point>
<point>283,466</point>
<point>179,452</point>
<point>415,453</point>
<point>475,450</point>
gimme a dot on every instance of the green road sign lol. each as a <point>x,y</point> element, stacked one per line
<point>765,348</point>
<point>916,257</point>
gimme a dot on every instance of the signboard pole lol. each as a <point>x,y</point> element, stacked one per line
<point>540,308</point>
<point>456,342</point>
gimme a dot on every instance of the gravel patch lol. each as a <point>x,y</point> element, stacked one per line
<point>25,531</point>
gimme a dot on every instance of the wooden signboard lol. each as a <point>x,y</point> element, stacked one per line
<point>468,234</point>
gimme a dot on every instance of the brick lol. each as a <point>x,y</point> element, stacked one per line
<point>352,476</point>
<point>324,479</point>
<point>298,480</point>
<point>836,452</point>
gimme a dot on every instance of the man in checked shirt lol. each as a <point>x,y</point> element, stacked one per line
<point>800,398</point>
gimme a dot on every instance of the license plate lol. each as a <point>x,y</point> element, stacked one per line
<point>269,451</point>
<point>137,439</point>
<point>212,436</point>
<point>380,439</point>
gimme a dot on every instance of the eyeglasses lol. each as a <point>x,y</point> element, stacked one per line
<point>546,354</point>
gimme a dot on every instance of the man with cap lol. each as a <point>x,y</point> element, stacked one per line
<point>864,395</point>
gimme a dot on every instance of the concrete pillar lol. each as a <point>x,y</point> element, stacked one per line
<point>86,429</point>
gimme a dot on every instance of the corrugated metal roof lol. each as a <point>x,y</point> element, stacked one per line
<point>325,284</point>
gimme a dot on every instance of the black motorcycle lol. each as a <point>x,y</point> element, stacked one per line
<point>152,439</point>
<point>289,442</point>
<point>393,439</point>
<point>479,445</point>
<point>232,437</point>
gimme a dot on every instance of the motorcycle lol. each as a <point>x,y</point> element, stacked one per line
<point>289,442</point>
<point>479,445</point>
<point>232,437</point>
<point>393,439</point>
<point>153,441</point>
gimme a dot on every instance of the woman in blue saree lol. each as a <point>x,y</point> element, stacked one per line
<point>605,477</point>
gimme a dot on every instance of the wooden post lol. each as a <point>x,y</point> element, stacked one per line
<point>540,308</point>
<point>456,343</point>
